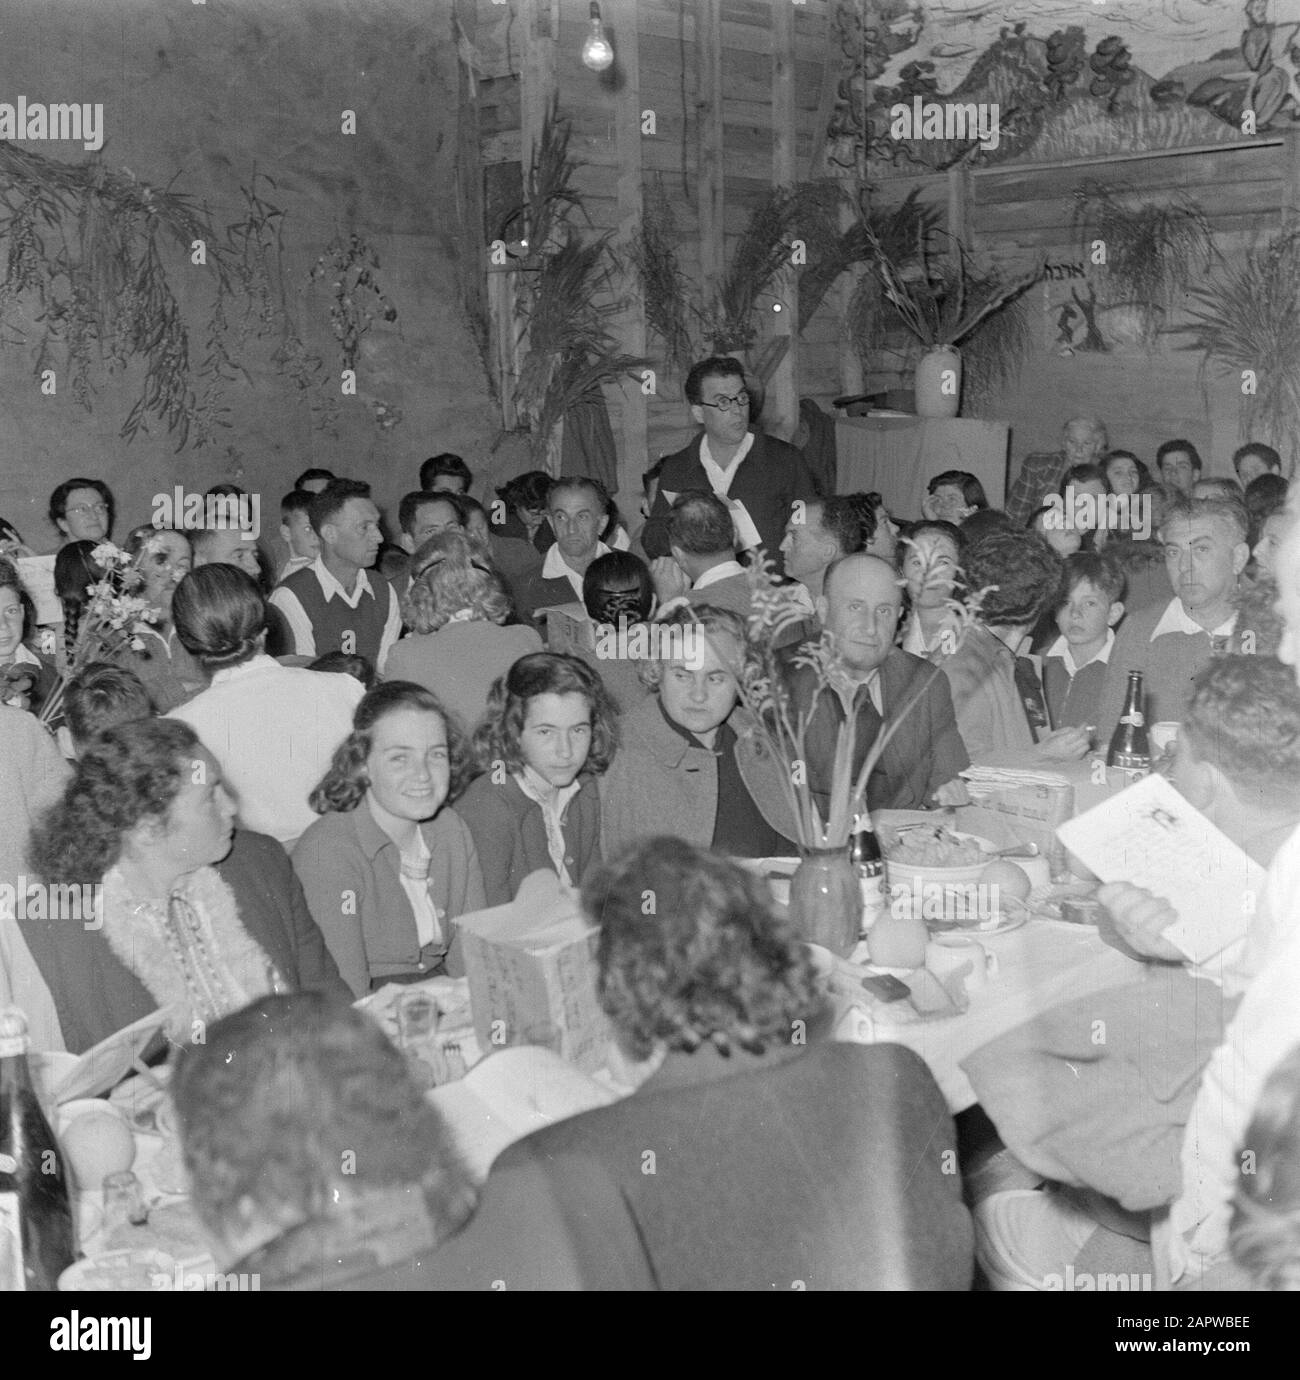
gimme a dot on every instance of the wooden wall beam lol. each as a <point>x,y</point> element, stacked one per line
<point>633,459</point>
<point>709,126</point>
<point>783,389</point>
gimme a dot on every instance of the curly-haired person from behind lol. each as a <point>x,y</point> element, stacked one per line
<point>549,731</point>
<point>315,1164</point>
<point>456,607</point>
<point>757,1155</point>
<point>1265,1231</point>
<point>1019,576</point>
<point>388,867</point>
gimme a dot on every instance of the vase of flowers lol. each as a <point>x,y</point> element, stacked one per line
<point>825,900</point>
<point>112,622</point>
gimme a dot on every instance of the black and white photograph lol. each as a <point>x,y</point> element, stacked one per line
<point>650,646</point>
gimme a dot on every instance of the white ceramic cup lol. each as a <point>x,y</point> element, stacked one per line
<point>1164,734</point>
<point>947,953</point>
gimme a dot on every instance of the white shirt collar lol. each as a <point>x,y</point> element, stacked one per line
<point>554,565</point>
<point>330,586</point>
<point>721,478</point>
<point>1061,648</point>
<point>719,572</point>
<point>22,657</point>
<point>1176,619</point>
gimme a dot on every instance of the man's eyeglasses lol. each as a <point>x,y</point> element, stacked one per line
<point>736,404</point>
<point>82,509</point>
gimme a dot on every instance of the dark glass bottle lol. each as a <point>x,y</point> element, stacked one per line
<point>1130,748</point>
<point>869,864</point>
<point>36,1243</point>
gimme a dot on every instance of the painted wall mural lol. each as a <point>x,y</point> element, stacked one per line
<point>1070,78</point>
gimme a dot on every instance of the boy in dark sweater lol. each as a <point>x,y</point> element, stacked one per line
<point>1075,664</point>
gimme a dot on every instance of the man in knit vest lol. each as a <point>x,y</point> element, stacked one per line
<point>1205,553</point>
<point>335,604</point>
<point>758,476</point>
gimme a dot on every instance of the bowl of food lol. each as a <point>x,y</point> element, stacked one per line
<point>935,872</point>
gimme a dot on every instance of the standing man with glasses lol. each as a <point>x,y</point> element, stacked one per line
<point>759,477</point>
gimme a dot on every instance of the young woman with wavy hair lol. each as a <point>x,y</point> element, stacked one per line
<point>548,732</point>
<point>387,867</point>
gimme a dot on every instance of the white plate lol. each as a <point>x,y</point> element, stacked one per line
<point>117,1272</point>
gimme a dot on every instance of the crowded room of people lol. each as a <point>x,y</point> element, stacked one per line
<point>579,581</point>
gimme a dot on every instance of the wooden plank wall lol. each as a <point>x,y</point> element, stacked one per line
<point>1019,216</point>
<point>667,82</point>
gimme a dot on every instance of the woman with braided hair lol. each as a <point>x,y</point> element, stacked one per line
<point>618,591</point>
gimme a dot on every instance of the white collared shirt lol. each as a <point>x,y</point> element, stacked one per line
<point>553,805</point>
<point>848,689</point>
<point>719,572</point>
<point>1176,619</point>
<point>1062,649</point>
<point>555,565</point>
<point>292,564</point>
<point>719,478</point>
<point>304,635</point>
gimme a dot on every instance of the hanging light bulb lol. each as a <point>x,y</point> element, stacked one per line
<point>597,51</point>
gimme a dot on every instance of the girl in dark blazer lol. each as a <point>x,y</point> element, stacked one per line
<point>548,732</point>
<point>387,868</point>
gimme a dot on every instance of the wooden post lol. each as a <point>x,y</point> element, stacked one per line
<point>541,30</point>
<point>473,246</point>
<point>783,390</point>
<point>708,57</point>
<point>634,459</point>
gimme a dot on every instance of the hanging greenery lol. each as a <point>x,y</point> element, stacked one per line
<point>1154,251</point>
<point>89,256</point>
<point>665,290</point>
<point>358,298</point>
<point>1247,320</point>
<point>568,302</point>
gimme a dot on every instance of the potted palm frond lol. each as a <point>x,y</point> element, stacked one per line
<point>1246,321</point>
<point>1154,251</point>
<point>940,301</point>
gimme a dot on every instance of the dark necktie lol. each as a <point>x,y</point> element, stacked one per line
<point>1031,696</point>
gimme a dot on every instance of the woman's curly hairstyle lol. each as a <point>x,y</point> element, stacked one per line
<point>345,783</point>
<point>448,576</point>
<point>1019,573</point>
<point>710,621</point>
<point>127,774</point>
<point>1265,1233</point>
<point>691,950</point>
<point>219,615</point>
<point>543,673</point>
<point>272,1103</point>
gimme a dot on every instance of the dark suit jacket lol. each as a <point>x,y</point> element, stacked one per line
<point>925,751</point>
<point>562,1230</point>
<point>821,1163</point>
<point>767,482</point>
<point>95,995</point>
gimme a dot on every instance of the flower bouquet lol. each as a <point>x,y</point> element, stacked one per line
<point>831,888</point>
<point>114,620</point>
